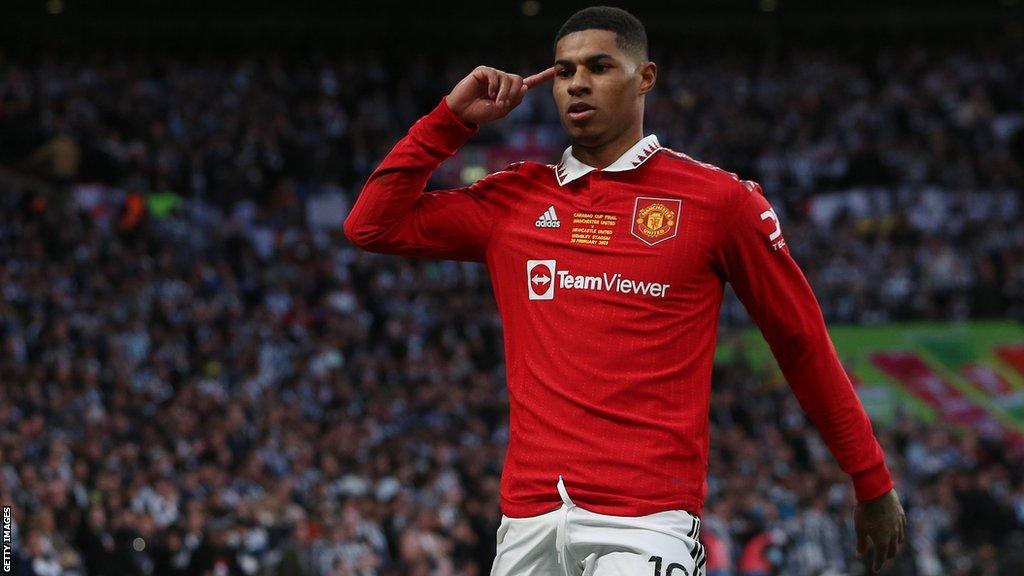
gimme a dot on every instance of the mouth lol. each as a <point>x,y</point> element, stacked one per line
<point>580,111</point>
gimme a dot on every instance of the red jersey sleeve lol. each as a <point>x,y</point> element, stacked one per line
<point>393,214</point>
<point>754,258</point>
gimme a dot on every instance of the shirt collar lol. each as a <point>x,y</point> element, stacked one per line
<point>570,168</point>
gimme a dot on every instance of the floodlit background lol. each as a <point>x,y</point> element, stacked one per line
<point>200,375</point>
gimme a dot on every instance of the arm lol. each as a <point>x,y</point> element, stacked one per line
<point>753,256</point>
<point>393,214</point>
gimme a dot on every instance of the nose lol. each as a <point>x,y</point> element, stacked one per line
<point>580,83</point>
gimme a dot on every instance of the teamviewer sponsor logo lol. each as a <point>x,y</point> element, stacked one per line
<point>540,277</point>
<point>543,275</point>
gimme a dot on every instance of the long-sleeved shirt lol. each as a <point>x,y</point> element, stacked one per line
<point>609,284</point>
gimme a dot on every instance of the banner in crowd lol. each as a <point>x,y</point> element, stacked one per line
<point>970,374</point>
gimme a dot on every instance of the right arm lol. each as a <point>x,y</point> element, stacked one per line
<point>393,214</point>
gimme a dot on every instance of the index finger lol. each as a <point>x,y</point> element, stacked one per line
<point>539,78</point>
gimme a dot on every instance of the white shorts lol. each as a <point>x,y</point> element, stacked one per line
<point>572,541</point>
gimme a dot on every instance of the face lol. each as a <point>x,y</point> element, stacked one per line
<point>599,87</point>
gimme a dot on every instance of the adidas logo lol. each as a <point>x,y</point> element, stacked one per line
<point>548,219</point>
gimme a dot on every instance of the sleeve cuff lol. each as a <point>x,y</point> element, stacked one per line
<point>872,483</point>
<point>442,130</point>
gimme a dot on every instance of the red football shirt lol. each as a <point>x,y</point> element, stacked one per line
<point>609,284</point>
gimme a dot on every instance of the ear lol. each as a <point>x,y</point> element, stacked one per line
<point>648,76</point>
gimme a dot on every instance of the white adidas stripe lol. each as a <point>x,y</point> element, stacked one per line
<point>548,219</point>
<point>549,214</point>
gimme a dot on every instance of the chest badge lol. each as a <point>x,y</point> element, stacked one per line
<point>655,219</point>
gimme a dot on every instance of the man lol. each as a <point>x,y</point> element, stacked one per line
<point>608,270</point>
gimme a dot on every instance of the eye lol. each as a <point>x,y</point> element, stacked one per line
<point>598,68</point>
<point>563,73</point>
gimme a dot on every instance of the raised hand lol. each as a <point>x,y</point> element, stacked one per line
<point>883,522</point>
<point>488,94</point>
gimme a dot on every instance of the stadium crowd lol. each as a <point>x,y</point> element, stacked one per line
<point>201,376</point>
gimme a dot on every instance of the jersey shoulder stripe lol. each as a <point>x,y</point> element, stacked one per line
<point>683,157</point>
<point>750,185</point>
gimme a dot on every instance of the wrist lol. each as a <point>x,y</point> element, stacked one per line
<point>442,131</point>
<point>872,483</point>
<point>447,105</point>
<point>890,494</point>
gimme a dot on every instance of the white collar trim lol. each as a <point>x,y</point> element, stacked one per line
<point>570,168</point>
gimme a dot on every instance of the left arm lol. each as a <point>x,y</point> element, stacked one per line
<point>754,258</point>
<point>756,261</point>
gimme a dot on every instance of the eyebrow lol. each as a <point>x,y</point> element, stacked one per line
<point>587,60</point>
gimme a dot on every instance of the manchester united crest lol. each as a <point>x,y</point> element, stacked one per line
<point>655,219</point>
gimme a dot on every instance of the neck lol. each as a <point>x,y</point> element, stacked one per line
<point>601,155</point>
